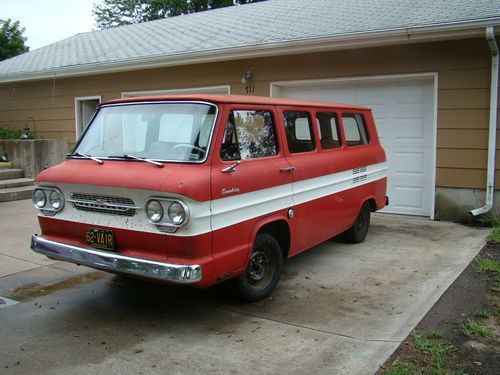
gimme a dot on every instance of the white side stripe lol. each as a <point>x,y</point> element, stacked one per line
<point>242,207</point>
<point>223,212</point>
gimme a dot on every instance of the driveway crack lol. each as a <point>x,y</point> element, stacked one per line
<point>362,339</point>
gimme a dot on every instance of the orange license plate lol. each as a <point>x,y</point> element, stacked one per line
<point>100,238</point>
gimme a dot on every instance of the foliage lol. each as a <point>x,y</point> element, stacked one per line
<point>123,12</point>
<point>482,314</point>
<point>470,327</point>
<point>403,368</point>
<point>494,235</point>
<point>432,358</point>
<point>6,133</point>
<point>12,41</point>
<point>434,347</point>
<point>484,265</point>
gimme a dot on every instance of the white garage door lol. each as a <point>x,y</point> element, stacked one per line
<point>404,115</point>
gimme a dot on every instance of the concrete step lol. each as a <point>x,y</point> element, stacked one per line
<point>16,182</point>
<point>8,174</point>
<point>17,193</point>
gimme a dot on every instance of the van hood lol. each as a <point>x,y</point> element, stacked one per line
<point>191,180</point>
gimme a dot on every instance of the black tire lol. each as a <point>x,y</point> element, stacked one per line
<point>359,229</point>
<point>263,270</point>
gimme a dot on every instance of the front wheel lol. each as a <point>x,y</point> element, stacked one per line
<point>359,229</point>
<point>263,270</point>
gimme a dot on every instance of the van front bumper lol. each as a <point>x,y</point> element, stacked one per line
<point>107,261</point>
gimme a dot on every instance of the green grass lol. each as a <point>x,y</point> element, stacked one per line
<point>403,368</point>
<point>494,235</point>
<point>493,219</point>
<point>470,327</point>
<point>482,314</point>
<point>435,348</point>
<point>484,265</point>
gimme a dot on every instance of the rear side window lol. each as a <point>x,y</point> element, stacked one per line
<point>328,130</point>
<point>249,135</point>
<point>354,129</point>
<point>298,131</point>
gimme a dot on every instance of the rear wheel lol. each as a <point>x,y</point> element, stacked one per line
<point>263,270</point>
<point>359,229</point>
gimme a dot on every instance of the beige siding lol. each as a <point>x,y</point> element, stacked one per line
<point>463,69</point>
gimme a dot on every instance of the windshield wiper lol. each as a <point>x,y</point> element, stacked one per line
<point>127,156</point>
<point>98,161</point>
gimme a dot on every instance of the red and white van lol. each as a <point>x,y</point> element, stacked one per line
<point>198,189</point>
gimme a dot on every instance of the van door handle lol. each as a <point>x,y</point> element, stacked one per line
<point>231,168</point>
<point>287,169</point>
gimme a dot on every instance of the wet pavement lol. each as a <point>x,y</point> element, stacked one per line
<point>339,309</point>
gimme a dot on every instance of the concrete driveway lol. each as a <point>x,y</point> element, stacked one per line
<point>339,309</point>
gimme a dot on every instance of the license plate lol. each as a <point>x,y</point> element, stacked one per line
<point>100,238</point>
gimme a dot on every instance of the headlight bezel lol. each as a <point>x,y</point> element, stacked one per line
<point>166,224</point>
<point>161,211</point>
<point>37,201</point>
<point>59,198</point>
<point>48,208</point>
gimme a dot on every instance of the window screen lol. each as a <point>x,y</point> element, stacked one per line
<point>328,130</point>
<point>249,135</point>
<point>354,129</point>
<point>298,131</point>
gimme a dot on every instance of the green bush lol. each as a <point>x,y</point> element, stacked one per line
<point>6,133</point>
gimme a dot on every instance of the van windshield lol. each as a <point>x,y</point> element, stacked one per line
<point>157,131</point>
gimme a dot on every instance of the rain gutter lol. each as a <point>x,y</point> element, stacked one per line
<point>490,180</point>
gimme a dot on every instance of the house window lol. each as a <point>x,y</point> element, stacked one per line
<point>85,107</point>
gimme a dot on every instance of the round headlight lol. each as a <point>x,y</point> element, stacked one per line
<point>39,198</point>
<point>154,211</point>
<point>55,199</point>
<point>176,213</point>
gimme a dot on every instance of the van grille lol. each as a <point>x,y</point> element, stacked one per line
<point>103,204</point>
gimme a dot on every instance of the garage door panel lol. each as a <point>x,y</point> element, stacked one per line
<point>384,129</point>
<point>411,163</point>
<point>407,198</point>
<point>410,129</point>
<point>410,94</point>
<point>404,116</point>
<point>371,96</point>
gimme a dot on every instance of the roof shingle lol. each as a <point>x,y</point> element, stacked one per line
<point>264,24</point>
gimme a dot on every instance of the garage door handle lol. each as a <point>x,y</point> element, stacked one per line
<point>287,169</point>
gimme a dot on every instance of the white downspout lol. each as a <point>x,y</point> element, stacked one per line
<point>492,141</point>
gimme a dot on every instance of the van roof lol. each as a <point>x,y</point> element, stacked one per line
<point>235,99</point>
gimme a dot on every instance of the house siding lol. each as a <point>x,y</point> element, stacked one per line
<point>463,68</point>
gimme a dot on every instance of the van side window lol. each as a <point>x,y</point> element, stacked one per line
<point>249,135</point>
<point>354,129</point>
<point>328,130</point>
<point>298,131</point>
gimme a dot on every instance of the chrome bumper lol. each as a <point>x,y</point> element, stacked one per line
<point>177,273</point>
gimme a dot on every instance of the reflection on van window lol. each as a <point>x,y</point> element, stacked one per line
<point>158,131</point>
<point>249,135</point>
<point>328,130</point>
<point>298,131</point>
<point>354,129</point>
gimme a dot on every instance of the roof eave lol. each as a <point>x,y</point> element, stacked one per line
<point>459,30</point>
